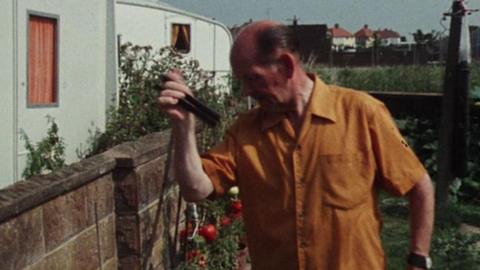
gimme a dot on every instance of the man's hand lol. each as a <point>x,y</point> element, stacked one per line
<point>174,90</point>
<point>194,183</point>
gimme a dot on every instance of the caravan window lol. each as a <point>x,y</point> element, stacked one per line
<point>42,60</point>
<point>181,37</point>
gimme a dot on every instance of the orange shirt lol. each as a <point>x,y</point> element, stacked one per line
<point>310,201</point>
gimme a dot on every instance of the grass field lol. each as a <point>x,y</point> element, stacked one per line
<point>451,249</point>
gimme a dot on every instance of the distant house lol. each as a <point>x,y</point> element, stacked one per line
<point>388,37</point>
<point>364,37</point>
<point>342,40</point>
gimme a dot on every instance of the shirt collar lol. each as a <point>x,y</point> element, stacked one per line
<point>322,101</point>
<point>321,104</point>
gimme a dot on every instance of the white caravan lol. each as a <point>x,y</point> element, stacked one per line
<point>59,58</point>
<point>158,24</point>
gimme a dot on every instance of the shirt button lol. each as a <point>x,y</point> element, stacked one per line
<point>299,146</point>
<point>303,244</point>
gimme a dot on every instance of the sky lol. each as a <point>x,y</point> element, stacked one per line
<point>403,16</point>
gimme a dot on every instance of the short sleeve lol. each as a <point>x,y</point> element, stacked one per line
<point>219,164</point>
<point>399,169</point>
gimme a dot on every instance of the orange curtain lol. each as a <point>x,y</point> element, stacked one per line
<point>42,60</point>
<point>175,32</point>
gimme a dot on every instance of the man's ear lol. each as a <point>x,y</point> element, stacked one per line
<point>286,63</point>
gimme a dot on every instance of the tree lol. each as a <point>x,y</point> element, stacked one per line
<point>426,43</point>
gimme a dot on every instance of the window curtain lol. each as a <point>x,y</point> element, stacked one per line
<point>42,60</point>
<point>186,34</point>
<point>181,37</point>
<point>175,33</point>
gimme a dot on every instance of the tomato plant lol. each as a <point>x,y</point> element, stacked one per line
<point>220,239</point>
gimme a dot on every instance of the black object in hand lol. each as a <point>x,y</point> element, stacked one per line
<point>194,106</point>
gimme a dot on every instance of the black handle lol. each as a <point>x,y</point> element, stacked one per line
<point>193,105</point>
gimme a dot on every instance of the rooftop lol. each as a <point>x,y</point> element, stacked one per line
<point>365,32</point>
<point>338,32</point>
<point>387,33</point>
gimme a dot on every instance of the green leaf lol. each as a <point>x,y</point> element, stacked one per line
<point>475,93</point>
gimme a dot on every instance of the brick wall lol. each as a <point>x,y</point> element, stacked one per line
<point>98,213</point>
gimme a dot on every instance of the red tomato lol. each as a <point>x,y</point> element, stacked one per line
<point>225,221</point>
<point>209,232</point>
<point>183,234</point>
<point>193,253</point>
<point>237,206</point>
<point>236,216</point>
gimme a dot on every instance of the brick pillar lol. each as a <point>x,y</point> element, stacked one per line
<point>138,181</point>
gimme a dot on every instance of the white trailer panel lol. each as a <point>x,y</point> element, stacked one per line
<point>84,44</point>
<point>144,23</point>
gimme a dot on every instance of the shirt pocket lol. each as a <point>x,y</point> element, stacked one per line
<point>346,180</point>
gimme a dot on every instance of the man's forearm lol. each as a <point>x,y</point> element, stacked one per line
<point>422,207</point>
<point>194,183</point>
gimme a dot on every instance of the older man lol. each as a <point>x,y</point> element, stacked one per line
<point>309,161</point>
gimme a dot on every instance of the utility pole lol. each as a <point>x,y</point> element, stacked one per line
<point>294,20</point>
<point>452,151</point>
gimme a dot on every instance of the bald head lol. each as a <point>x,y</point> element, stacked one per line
<point>265,60</point>
<point>261,40</point>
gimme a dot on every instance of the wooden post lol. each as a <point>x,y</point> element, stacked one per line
<point>446,151</point>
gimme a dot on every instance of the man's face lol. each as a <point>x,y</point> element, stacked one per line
<point>265,83</point>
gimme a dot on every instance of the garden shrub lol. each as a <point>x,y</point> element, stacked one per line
<point>140,71</point>
<point>46,155</point>
<point>137,112</point>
